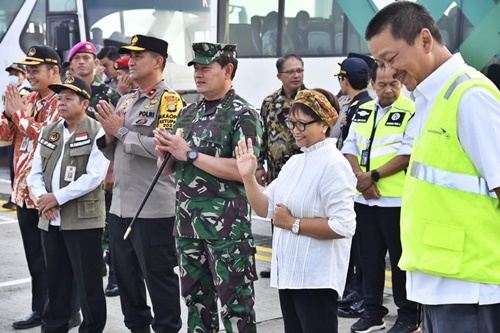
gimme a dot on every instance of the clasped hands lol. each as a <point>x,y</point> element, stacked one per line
<point>366,186</point>
<point>48,206</point>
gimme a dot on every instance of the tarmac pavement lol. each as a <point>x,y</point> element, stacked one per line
<point>15,287</point>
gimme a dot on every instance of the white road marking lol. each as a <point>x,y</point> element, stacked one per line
<point>14,282</point>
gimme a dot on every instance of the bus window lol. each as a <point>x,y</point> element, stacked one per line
<point>8,12</point>
<point>62,5</point>
<point>310,26</point>
<point>252,25</point>
<point>34,32</point>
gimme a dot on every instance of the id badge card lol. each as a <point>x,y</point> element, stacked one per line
<point>24,144</point>
<point>69,175</point>
<point>364,158</point>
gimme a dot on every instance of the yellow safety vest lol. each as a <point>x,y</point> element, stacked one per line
<point>450,221</point>
<point>383,141</point>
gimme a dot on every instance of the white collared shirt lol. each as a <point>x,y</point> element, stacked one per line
<point>478,124</point>
<point>97,168</point>
<point>350,147</point>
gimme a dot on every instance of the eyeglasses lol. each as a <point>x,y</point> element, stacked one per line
<point>300,126</point>
<point>293,71</point>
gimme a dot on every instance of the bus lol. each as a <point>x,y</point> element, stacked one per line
<point>322,32</point>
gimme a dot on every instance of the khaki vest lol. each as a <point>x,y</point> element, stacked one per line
<point>383,141</point>
<point>450,221</point>
<point>88,211</point>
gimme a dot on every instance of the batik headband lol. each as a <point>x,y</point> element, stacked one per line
<point>319,104</point>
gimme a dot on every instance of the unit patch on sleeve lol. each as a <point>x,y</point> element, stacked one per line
<point>362,116</point>
<point>47,144</point>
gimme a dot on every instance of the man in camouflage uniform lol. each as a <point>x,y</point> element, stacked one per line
<point>148,254</point>
<point>215,244</point>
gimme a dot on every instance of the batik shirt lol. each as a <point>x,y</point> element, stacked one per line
<point>23,129</point>
<point>101,91</point>
<point>208,207</point>
<point>278,144</point>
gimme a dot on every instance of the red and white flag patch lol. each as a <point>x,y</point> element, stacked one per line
<point>81,136</point>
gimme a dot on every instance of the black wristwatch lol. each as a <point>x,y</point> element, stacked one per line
<point>191,155</point>
<point>375,176</point>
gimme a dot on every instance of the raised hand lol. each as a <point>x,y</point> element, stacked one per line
<point>245,158</point>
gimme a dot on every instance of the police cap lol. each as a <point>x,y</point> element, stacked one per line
<point>74,83</point>
<point>141,43</point>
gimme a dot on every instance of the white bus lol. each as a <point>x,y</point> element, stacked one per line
<point>322,31</point>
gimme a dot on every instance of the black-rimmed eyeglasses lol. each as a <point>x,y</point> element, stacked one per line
<point>300,126</point>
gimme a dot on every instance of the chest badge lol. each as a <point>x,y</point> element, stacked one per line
<point>53,137</point>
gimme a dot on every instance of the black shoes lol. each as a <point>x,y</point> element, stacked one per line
<point>32,320</point>
<point>349,298</point>
<point>356,310</point>
<point>75,320</point>
<point>402,327</point>
<point>367,324</point>
<point>111,290</point>
<point>265,274</point>
<point>9,205</point>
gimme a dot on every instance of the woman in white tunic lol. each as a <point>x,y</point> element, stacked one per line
<point>311,203</point>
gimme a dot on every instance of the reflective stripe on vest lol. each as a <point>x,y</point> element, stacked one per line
<point>455,181</point>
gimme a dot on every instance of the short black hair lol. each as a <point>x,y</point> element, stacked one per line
<point>109,52</point>
<point>357,83</point>
<point>281,61</point>
<point>405,19</point>
<point>373,71</point>
<point>224,61</point>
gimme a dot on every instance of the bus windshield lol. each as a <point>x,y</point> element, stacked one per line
<point>178,22</point>
<point>8,12</point>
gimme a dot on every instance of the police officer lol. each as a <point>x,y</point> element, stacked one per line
<point>66,178</point>
<point>213,226</point>
<point>378,148</point>
<point>149,252</point>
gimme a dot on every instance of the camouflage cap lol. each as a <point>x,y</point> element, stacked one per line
<point>206,53</point>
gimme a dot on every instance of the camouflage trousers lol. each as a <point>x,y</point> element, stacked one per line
<point>223,269</point>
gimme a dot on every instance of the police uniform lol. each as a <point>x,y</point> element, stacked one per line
<point>213,226</point>
<point>71,167</point>
<point>149,251</point>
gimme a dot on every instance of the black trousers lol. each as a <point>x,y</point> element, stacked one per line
<point>378,232</point>
<point>74,257</point>
<point>354,272</point>
<point>461,318</point>
<point>32,242</point>
<point>309,310</point>
<point>149,255</point>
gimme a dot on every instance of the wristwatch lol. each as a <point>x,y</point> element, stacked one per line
<point>296,227</point>
<point>375,176</point>
<point>121,133</point>
<point>191,155</point>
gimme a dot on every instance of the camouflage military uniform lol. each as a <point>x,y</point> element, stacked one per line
<point>100,91</point>
<point>213,226</point>
<point>278,144</point>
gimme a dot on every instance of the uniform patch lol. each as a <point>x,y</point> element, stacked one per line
<point>362,116</point>
<point>47,144</point>
<point>77,144</point>
<point>395,119</point>
<point>81,136</point>
<point>53,137</point>
<point>141,121</point>
<point>152,92</point>
<point>149,114</point>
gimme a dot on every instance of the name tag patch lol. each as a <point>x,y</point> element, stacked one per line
<point>395,119</point>
<point>47,144</point>
<point>362,116</point>
<point>77,144</point>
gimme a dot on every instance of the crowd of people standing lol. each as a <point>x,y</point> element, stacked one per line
<point>417,178</point>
